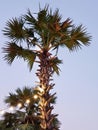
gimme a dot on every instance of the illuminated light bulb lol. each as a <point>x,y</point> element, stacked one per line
<point>27,101</point>
<point>1,112</point>
<point>11,108</point>
<point>19,105</point>
<point>35,96</point>
<point>41,90</point>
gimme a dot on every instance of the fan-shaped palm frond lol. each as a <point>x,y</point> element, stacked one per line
<point>13,50</point>
<point>12,99</point>
<point>54,62</point>
<point>20,97</point>
<point>70,36</point>
<point>76,38</point>
<point>14,29</point>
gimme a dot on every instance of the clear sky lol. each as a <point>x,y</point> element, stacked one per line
<point>77,85</point>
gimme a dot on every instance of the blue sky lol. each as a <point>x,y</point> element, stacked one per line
<point>77,85</point>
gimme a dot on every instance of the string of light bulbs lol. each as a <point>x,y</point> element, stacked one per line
<point>19,105</point>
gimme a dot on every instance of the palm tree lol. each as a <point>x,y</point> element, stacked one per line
<point>25,116</point>
<point>36,38</point>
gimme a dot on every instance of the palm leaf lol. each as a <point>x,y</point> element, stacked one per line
<point>29,18</point>
<point>10,121</point>
<point>24,94</point>
<point>76,38</point>
<point>13,50</point>
<point>12,99</point>
<point>15,29</point>
<point>42,15</point>
<point>54,62</point>
<point>73,39</point>
<point>19,97</point>
<point>25,127</point>
<point>56,123</point>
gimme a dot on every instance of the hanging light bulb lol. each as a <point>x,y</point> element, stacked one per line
<point>19,105</point>
<point>2,112</point>
<point>35,96</point>
<point>11,108</point>
<point>27,101</point>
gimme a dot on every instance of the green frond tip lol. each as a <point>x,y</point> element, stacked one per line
<point>42,15</point>
<point>12,51</point>
<point>81,34</point>
<point>12,99</point>
<point>29,18</point>
<point>54,62</point>
<point>25,92</point>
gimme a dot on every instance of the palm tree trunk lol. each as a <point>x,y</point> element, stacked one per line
<point>44,74</point>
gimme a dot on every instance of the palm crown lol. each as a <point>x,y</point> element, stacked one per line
<point>45,32</point>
